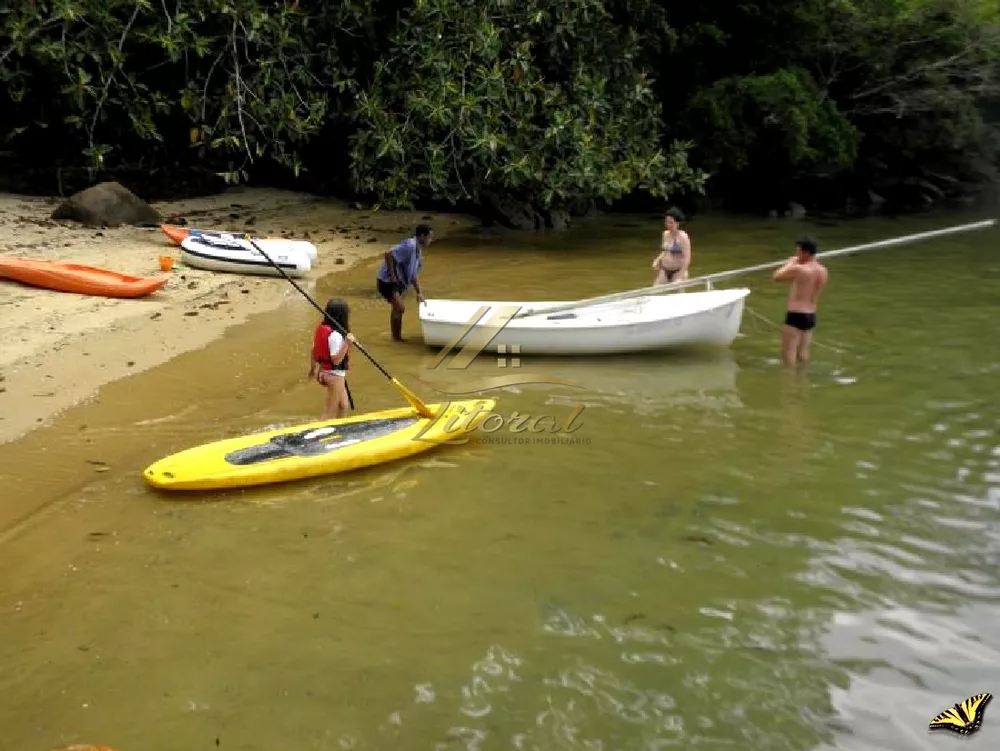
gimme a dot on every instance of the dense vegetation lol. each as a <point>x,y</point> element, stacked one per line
<point>529,106</point>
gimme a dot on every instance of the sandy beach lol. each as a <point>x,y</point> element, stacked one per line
<point>57,349</point>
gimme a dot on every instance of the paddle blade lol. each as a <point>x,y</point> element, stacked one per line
<point>414,401</point>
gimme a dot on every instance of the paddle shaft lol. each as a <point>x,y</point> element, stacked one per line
<point>710,278</point>
<point>412,398</point>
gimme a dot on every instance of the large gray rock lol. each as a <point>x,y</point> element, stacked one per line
<point>584,208</point>
<point>510,212</point>
<point>557,219</point>
<point>107,205</point>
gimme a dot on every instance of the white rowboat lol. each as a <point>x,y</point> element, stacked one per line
<point>640,324</point>
<point>647,319</point>
<point>237,256</point>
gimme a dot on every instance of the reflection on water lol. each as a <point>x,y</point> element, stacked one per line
<point>739,557</point>
<point>648,384</point>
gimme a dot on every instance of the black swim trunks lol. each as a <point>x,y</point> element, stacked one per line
<point>800,321</point>
<point>386,289</point>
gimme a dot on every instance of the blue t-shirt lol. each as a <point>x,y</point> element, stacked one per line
<point>409,260</point>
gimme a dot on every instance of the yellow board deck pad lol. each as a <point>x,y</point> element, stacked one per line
<point>318,441</point>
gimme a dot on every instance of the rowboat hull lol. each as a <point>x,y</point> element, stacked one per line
<point>642,324</point>
<point>78,278</point>
<point>205,253</point>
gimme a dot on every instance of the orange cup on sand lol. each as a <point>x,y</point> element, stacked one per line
<point>166,263</point>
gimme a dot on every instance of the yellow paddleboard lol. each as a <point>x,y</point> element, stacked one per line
<point>318,448</point>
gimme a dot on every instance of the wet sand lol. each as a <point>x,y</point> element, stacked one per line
<point>58,349</point>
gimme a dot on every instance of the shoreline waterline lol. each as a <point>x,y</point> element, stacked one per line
<point>60,349</point>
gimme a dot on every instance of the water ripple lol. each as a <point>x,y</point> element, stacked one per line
<point>495,673</point>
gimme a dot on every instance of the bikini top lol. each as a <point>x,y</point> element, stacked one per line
<point>675,248</point>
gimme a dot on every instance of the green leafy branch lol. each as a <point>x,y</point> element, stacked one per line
<point>539,100</point>
<point>249,79</point>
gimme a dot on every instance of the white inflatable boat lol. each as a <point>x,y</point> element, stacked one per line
<point>236,256</point>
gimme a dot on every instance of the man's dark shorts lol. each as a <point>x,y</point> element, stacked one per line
<point>800,321</point>
<point>386,289</point>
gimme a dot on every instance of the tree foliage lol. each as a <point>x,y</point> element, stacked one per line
<point>779,89</point>
<point>782,119</point>
<point>243,77</point>
<point>540,99</point>
<point>916,77</point>
<point>544,101</point>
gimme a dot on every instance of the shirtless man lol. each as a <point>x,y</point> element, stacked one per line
<point>808,277</point>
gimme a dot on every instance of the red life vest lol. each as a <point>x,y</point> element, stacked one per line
<point>321,349</point>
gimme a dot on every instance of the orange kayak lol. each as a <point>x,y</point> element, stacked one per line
<point>177,234</point>
<point>74,277</point>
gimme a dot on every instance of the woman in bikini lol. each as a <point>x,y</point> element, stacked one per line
<point>675,251</point>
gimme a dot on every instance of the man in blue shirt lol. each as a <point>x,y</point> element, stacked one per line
<point>400,270</point>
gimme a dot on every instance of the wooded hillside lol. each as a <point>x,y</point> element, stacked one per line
<point>522,107</point>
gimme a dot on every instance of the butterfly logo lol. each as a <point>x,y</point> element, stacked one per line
<point>964,718</point>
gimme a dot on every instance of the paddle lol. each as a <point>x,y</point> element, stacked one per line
<point>709,278</point>
<point>412,398</point>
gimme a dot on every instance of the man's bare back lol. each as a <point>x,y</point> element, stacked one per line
<point>808,277</point>
<point>809,280</point>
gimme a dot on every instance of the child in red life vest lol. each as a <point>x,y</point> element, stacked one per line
<point>329,359</point>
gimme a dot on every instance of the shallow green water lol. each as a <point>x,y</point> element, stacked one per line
<point>728,557</point>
